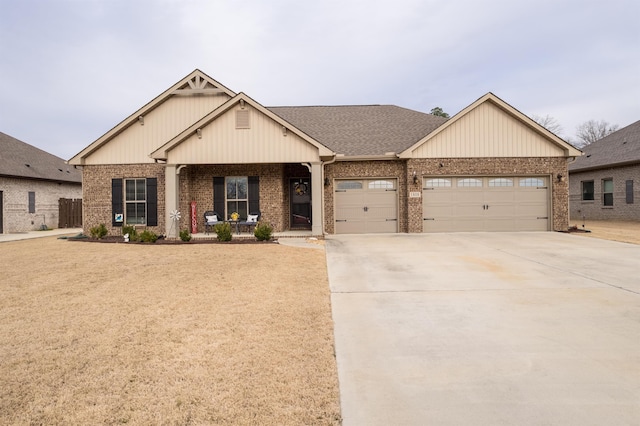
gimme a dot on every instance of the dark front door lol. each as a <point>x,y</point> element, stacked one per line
<point>300,203</point>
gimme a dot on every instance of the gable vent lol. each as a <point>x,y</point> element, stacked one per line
<point>242,119</point>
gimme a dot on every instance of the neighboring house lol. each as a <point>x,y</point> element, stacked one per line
<point>605,181</point>
<point>32,182</point>
<point>200,147</point>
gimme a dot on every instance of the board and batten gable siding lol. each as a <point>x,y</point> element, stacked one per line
<point>263,142</point>
<point>487,131</point>
<point>133,144</point>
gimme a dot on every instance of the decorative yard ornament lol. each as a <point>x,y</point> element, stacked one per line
<point>174,215</point>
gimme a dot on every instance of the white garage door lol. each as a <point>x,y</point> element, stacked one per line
<point>366,206</point>
<point>460,204</point>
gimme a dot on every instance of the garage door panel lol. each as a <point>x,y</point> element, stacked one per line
<point>520,204</point>
<point>369,209</point>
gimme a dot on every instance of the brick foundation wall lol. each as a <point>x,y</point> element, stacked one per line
<point>595,210</point>
<point>96,193</point>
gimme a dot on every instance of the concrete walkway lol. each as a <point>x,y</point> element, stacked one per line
<point>39,234</point>
<point>486,329</point>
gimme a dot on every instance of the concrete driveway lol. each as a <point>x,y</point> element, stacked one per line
<point>486,329</point>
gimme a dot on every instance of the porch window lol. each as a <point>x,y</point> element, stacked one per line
<point>135,201</point>
<point>237,195</point>
<point>587,190</point>
<point>607,192</point>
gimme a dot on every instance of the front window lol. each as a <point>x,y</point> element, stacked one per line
<point>237,195</point>
<point>587,190</point>
<point>136,201</point>
<point>607,192</point>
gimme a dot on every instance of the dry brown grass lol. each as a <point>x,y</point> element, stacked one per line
<point>165,334</point>
<point>623,231</point>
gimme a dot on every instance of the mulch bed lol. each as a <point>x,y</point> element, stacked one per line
<point>120,240</point>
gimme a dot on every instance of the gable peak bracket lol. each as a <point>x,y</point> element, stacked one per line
<point>141,120</point>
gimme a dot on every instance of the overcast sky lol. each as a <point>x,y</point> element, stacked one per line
<point>71,70</point>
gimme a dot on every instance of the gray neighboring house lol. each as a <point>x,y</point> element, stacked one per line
<point>31,183</point>
<point>604,184</point>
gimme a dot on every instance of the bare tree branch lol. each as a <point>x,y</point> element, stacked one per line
<point>548,122</point>
<point>592,130</point>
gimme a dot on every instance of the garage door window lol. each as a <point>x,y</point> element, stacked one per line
<point>349,184</point>
<point>531,182</point>
<point>469,183</point>
<point>381,184</point>
<point>438,183</point>
<point>500,182</point>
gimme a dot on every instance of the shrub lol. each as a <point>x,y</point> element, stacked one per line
<point>131,230</point>
<point>263,231</point>
<point>223,231</point>
<point>185,235</point>
<point>98,231</point>
<point>148,237</point>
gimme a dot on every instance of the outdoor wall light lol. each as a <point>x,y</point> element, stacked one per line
<point>415,177</point>
<point>326,181</point>
<point>560,177</point>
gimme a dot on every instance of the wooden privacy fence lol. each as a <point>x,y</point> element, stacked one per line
<point>69,213</point>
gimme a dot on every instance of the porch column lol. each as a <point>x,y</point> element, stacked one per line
<point>171,200</point>
<point>316,199</point>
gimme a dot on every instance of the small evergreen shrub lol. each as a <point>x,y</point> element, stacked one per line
<point>148,237</point>
<point>223,231</point>
<point>99,231</point>
<point>263,231</point>
<point>185,235</point>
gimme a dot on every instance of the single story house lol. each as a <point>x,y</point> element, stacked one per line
<point>604,182</point>
<point>32,182</point>
<point>201,147</point>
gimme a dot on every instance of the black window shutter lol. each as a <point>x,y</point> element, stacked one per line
<point>116,201</point>
<point>629,187</point>
<point>254,194</point>
<point>32,202</point>
<point>219,196</point>
<point>152,202</point>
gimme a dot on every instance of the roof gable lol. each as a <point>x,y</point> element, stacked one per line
<point>619,148</point>
<point>19,159</point>
<point>490,127</point>
<point>221,138</point>
<point>196,83</point>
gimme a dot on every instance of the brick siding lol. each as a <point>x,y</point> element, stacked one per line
<point>621,210</point>
<point>15,206</point>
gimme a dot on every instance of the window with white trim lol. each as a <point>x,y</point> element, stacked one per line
<point>135,201</point>
<point>237,195</point>
<point>607,192</point>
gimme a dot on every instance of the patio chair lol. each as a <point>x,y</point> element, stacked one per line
<point>211,219</point>
<point>252,220</point>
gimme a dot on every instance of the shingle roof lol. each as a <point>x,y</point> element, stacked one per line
<point>19,159</point>
<point>618,148</point>
<point>361,130</point>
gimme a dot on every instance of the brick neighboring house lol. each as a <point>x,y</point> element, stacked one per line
<point>604,184</point>
<point>31,183</point>
<point>328,169</point>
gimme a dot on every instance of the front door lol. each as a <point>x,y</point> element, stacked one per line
<point>300,196</point>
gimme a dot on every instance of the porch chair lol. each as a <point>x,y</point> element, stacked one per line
<point>252,220</point>
<point>211,219</point>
